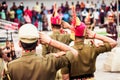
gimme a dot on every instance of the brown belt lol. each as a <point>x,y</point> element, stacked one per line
<point>82,76</point>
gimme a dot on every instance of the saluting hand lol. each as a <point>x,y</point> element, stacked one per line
<point>90,34</point>
<point>44,39</point>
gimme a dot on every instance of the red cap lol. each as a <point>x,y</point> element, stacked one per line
<point>79,30</point>
<point>56,20</point>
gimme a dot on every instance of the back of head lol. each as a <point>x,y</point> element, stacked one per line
<point>56,21</point>
<point>80,30</point>
<point>28,36</point>
<point>28,33</point>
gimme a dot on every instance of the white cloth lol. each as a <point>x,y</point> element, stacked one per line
<point>116,60</point>
<point>112,62</point>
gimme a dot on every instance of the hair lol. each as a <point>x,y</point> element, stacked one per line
<point>29,46</point>
<point>81,37</point>
<point>1,53</point>
<point>56,26</point>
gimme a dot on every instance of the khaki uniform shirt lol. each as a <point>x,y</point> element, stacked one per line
<point>85,62</point>
<point>1,67</point>
<point>33,67</point>
<point>65,38</point>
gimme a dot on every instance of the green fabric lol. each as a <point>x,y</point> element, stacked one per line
<point>33,67</point>
<point>1,67</point>
<point>65,38</point>
<point>85,62</point>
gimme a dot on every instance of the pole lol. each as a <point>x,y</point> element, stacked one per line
<point>11,37</point>
<point>7,34</point>
<point>117,12</point>
<point>118,27</point>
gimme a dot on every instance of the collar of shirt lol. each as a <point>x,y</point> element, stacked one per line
<point>28,53</point>
<point>79,45</point>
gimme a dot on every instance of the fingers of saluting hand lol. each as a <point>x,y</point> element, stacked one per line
<point>44,37</point>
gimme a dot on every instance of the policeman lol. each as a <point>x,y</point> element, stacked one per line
<point>83,67</point>
<point>58,34</point>
<point>31,66</point>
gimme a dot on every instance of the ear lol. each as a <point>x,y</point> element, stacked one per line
<point>38,42</point>
<point>19,43</point>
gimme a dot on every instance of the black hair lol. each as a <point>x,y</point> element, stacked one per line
<point>29,46</point>
<point>1,53</point>
<point>82,37</point>
<point>56,26</point>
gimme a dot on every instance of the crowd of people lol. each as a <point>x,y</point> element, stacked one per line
<point>40,16</point>
<point>59,61</point>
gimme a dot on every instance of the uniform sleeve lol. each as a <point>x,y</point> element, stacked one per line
<point>61,62</point>
<point>65,70</point>
<point>71,59</point>
<point>65,39</point>
<point>70,39</point>
<point>44,49</point>
<point>104,48</point>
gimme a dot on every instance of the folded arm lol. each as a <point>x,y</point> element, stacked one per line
<point>94,35</point>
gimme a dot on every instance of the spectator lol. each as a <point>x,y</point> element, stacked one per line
<point>44,21</point>
<point>5,8</point>
<point>19,13</point>
<point>96,16</point>
<point>14,7</point>
<point>87,6</point>
<point>82,5</point>
<point>102,16</point>
<point>12,15</point>
<point>111,27</point>
<point>42,6</point>
<point>62,7</point>
<point>37,7</point>
<point>3,16</point>
<point>67,7</point>
<point>49,22</point>
<point>21,6</point>
<point>34,15</point>
<point>7,50</point>
<point>28,11</point>
<point>27,18</point>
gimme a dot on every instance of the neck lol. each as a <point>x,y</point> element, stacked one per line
<point>79,39</point>
<point>27,51</point>
<point>54,29</point>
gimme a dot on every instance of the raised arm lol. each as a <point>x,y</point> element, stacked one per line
<point>45,39</point>
<point>94,35</point>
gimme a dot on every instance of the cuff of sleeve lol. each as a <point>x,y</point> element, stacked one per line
<point>108,47</point>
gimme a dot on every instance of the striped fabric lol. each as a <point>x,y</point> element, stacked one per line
<point>11,26</point>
